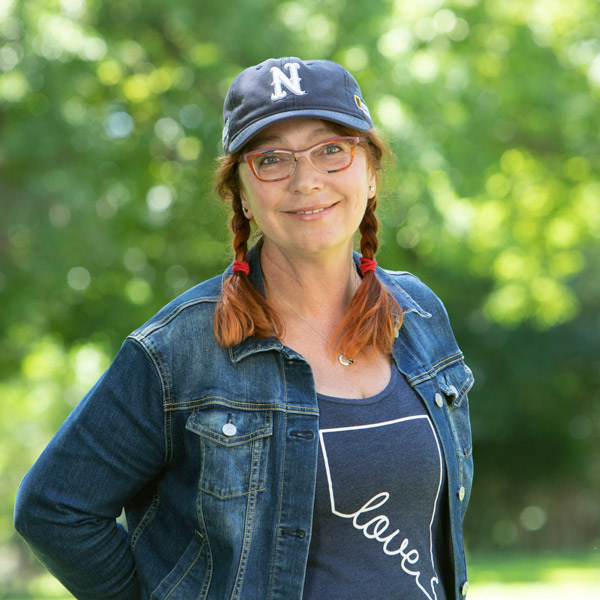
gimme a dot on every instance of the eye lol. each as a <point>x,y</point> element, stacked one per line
<point>333,148</point>
<point>267,159</point>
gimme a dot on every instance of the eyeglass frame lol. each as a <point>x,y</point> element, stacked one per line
<point>297,154</point>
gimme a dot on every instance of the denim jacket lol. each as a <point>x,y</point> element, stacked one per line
<point>217,512</point>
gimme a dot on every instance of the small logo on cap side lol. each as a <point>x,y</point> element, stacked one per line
<point>361,105</point>
<point>292,83</point>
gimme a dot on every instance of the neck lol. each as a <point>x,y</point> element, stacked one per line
<point>319,285</point>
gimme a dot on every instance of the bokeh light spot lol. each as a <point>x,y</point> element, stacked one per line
<point>79,278</point>
<point>119,125</point>
<point>159,198</point>
<point>138,291</point>
<point>533,518</point>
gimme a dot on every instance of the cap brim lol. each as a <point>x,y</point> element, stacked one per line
<point>343,119</point>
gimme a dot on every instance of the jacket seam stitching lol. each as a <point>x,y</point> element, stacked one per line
<point>282,481</point>
<point>187,571</point>
<point>435,369</point>
<point>146,520</point>
<point>154,357</point>
<point>149,329</point>
<point>222,401</point>
<point>251,503</point>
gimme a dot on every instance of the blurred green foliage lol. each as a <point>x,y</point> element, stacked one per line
<point>110,120</point>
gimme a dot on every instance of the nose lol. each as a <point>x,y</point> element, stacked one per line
<point>305,177</point>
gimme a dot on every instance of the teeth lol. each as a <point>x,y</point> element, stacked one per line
<point>309,212</point>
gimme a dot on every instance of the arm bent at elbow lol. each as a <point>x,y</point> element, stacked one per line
<point>110,448</point>
<point>90,556</point>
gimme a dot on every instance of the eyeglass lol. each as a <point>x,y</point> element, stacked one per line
<point>329,156</point>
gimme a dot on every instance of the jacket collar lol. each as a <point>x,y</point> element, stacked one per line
<point>406,302</point>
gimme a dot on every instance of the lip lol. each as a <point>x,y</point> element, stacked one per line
<point>311,211</point>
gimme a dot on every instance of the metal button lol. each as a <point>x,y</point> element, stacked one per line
<point>464,588</point>
<point>461,493</point>
<point>439,400</point>
<point>229,429</point>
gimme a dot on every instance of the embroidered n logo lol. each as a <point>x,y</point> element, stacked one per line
<point>292,83</point>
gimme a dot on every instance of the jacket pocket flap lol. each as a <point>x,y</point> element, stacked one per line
<point>455,382</point>
<point>230,426</point>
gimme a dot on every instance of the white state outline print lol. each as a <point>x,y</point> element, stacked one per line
<point>379,524</point>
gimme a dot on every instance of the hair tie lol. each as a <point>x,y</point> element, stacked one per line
<point>241,266</point>
<point>367,264</point>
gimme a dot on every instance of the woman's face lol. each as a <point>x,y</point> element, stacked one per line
<point>310,212</point>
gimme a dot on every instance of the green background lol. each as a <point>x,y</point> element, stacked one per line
<point>110,122</point>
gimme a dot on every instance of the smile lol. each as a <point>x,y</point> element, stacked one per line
<point>308,212</point>
<point>312,211</point>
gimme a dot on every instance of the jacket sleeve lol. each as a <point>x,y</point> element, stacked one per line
<point>109,448</point>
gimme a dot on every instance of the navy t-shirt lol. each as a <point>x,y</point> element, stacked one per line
<point>381,514</point>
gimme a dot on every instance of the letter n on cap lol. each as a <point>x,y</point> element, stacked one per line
<point>292,83</point>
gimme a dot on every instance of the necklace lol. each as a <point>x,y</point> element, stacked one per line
<point>344,360</point>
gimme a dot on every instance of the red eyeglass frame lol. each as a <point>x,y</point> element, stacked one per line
<point>297,154</point>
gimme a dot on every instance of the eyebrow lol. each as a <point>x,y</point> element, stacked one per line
<point>268,139</point>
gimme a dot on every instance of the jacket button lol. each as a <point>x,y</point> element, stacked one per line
<point>439,400</point>
<point>229,429</point>
<point>461,493</point>
<point>464,589</point>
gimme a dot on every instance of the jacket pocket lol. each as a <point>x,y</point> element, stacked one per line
<point>234,444</point>
<point>454,383</point>
<point>189,577</point>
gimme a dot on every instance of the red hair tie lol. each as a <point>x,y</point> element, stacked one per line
<point>367,264</point>
<point>241,266</point>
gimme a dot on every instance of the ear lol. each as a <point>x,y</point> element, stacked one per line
<point>245,205</point>
<point>372,184</point>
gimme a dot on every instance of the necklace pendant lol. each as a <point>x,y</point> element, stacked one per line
<point>344,360</point>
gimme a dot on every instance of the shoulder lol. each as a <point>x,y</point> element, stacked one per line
<point>412,294</point>
<point>426,331</point>
<point>192,309</point>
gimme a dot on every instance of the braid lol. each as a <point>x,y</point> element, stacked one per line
<point>240,226</point>
<point>373,316</point>
<point>242,311</point>
<point>368,230</point>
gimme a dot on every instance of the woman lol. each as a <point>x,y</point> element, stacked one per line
<point>296,428</point>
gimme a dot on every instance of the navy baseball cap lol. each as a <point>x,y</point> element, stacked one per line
<point>286,88</point>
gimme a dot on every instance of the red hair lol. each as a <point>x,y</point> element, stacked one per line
<point>373,316</point>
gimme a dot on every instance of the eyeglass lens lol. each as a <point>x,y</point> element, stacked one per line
<point>328,157</point>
